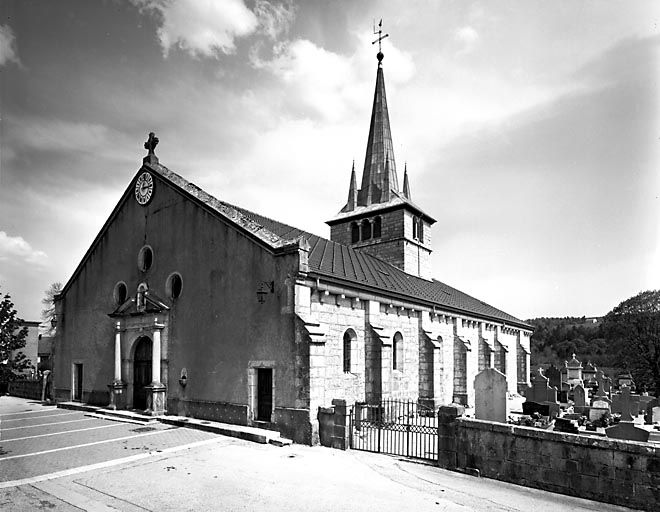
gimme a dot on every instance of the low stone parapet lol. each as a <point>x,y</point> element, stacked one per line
<point>613,471</point>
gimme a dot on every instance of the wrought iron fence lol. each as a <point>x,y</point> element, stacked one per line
<point>397,427</point>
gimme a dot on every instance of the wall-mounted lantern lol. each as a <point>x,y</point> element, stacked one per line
<point>183,380</point>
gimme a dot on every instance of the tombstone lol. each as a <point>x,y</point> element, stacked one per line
<point>607,385</point>
<point>652,412</point>
<point>627,430</point>
<point>600,403</point>
<point>490,395</point>
<point>596,413</point>
<point>602,390</point>
<point>579,396</point>
<point>625,404</point>
<point>540,391</point>
<point>563,396</point>
<point>529,408</point>
<point>589,375</point>
<point>554,376</point>
<point>565,425</point>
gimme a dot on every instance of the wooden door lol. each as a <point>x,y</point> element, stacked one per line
<point>264,393</point>
<point>141,372</point>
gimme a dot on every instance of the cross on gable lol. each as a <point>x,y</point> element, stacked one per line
<point>150,146</point>
<point>151,143</point>
<point>625,404</point>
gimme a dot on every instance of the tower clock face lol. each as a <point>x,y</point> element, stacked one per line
<point>144,188</point>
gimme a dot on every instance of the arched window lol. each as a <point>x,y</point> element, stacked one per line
<point>120,293</point>
<point>366,230</point>
<point>377,227</point>
<point>415,233</point>
<point>174,285</point>
<point>349,337</point>
<point>355,232</point>
<point>397,352</point>
<point>420,230</point>
<point>145,258</point>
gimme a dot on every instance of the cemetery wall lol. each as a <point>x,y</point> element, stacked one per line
<point>613,471</point>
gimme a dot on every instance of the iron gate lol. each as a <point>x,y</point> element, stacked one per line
<point>397,427</point>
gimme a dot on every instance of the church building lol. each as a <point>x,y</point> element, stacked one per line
<point>187,305</point>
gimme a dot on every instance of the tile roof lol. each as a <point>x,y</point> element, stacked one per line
<point>347,264</point>
<point>334,260</point>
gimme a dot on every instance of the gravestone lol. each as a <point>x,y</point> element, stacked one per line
<point>607,385</point>
<point>597,413</point>
<point>565,425</point>
<point>490,395</point>
<point>579,396</point>
<point>554,376</point>
<point>652,412</point>
<point>604,385</point>
<point>529,408</point>
<point>541,393</point>
<point>623,404</point>
<point>627,430</point>
<point>601,403</point>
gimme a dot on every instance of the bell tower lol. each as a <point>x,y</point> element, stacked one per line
<point>379,218</point>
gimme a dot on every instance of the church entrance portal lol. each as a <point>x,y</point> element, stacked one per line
<point>264,393</point>
<point>141,372</point>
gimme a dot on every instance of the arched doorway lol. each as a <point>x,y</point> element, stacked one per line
<point>141,372</point>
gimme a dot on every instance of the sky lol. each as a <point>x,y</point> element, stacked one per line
<point>529,129</point>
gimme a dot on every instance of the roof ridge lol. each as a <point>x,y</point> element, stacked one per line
<point>371,266</point>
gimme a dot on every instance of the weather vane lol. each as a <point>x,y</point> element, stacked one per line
<point>380,35</point>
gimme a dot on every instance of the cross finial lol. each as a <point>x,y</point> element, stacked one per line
<point>379,55</point>
<point>150,146</point>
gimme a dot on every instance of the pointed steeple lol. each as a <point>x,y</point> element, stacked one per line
<point>352,192</point>
<point>379,177</point>
<point>406,185</point>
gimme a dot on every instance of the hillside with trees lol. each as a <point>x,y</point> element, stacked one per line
<point>556,339</point>
<point>627,338</point>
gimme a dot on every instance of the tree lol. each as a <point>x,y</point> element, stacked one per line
<point>12,338</point>
<point>633,332</point>
<point>48,314</point>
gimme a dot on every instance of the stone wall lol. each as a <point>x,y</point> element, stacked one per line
<point>613,471</point>
<point>25,389</point>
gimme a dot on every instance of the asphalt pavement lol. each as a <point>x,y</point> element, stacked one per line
<point>62,460</point>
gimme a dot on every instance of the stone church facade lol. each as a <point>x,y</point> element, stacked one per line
<point>187,305</point>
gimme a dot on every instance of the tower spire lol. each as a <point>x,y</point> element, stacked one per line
<point>379,177</point>
<point>406,185</point>
<point>352,192</point>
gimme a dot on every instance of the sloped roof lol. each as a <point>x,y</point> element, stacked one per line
<point>347,264</point>
<point>326,258</point>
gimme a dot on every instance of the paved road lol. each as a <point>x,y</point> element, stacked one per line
<point>61,460</point>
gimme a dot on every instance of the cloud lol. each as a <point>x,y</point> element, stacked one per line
<point>202,27</point>
<point>328,84</point>
<point>8,51</point>
<point>468,37</point>
<point>274,20</point>
<point>15,248</point>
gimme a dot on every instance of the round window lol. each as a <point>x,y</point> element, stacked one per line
<point>145,258</point>
<point>174,285</point>
<point>120,293</point>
